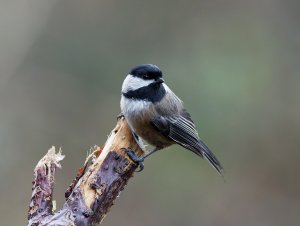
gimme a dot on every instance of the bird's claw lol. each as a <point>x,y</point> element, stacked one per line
<point>136,159</point>
<point>121,115</point>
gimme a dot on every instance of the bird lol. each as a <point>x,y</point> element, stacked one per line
<point>155,114</point>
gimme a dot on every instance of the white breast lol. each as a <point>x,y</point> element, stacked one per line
<point>132,108</point>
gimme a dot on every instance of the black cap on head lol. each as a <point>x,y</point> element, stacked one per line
<point>146,71</point>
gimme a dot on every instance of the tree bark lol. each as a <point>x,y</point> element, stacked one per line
<point>95,188</point>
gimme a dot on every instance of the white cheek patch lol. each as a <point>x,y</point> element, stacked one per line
<point>134,83</point>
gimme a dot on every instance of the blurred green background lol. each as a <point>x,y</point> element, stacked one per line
<point>234,63</point>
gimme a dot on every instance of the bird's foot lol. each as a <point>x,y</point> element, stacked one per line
<point>138,160</point>
<point>121,115</point>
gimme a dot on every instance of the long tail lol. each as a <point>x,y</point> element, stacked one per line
<point>203,151</point>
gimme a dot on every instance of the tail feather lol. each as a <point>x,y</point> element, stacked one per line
<point>205,152</point>
<point>211,159</point>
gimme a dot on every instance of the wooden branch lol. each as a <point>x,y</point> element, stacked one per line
<point>94,190</point>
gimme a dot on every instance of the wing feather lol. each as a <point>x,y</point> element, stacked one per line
<point>181,129</point>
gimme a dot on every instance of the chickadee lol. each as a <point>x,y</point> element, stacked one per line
<point>157,115</point>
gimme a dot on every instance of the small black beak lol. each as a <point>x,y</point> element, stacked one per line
<point>159,81</point>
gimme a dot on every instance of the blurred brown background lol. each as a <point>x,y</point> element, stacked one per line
<point>234,63</point>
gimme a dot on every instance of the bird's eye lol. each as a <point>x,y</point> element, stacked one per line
<point>146,77</point>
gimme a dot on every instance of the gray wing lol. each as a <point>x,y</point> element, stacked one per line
<point>181,129</point>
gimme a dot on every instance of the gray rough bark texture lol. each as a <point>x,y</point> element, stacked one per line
<point>95,188</point>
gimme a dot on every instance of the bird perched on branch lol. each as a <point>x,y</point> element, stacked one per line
<point>157,115</point>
